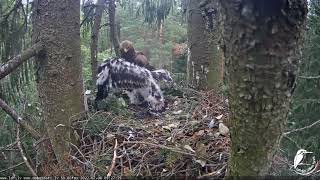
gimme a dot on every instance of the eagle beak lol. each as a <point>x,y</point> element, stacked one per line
<point>125,50</point>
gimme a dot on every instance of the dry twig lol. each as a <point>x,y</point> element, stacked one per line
<point>23,155</point>
<point>114,158</point>
<point>302,129</point>
<point>15,116</point>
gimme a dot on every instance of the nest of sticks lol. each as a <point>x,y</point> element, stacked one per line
<point>186,140</point>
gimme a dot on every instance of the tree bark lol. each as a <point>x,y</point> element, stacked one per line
<point>113,27</point>
<point>56,23</point>
<point>204,62</point>
<point>94,38</point>
<point>14,63</point>
<point>263,42</point>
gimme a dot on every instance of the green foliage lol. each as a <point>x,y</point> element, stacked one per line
<point>88,12</point>
<point>28,107</point>
<point>86,69</point>
<point>155,10</point>
<point>14,37</point>
<point>152,11</point>
<point>146,37</point>
<point>306,105</point>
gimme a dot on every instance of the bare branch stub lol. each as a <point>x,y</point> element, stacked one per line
<point>309,77</point>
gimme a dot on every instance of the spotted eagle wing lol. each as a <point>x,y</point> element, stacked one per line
<point>129,77</point>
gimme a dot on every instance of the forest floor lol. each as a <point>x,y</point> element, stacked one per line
<point>189,139</point>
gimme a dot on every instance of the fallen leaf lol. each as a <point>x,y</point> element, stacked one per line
<point>126,171</point>
<point>192,123</point>
<point>223,129</point>
<point>217,134</point>
<point>110,135</point>
<point>201,162</point>
<point>177,112</point>
<point>171,126</point>
<point>188,148</point>
<point>219,117</point>
<point>200,133</point>
<point>201,150</point>
<point>166,128</point>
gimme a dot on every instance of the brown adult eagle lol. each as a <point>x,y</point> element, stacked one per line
<point>128,53</point>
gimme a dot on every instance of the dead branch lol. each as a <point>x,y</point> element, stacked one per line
<point>113,159</point>
<point>309,77</point>
<point>15,116</point>
<point>159,146</point>
<point>12,64</point>
<point>105,24</point>
<point>302,129</point>
<point>215,173</point>
<point>10,111</point>
<point>12,167</point>
<point>25,159</point>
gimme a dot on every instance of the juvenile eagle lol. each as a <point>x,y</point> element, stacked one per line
<point>118,74</point>
<point>128,53</point>
<point>160,75</point>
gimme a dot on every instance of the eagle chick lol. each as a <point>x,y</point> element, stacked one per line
<point>118,74</point>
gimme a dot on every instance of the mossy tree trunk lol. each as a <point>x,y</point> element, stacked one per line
<point>263,42</point>
<point>94,38</point>
<point>56,23</point>
<point>204,61</point>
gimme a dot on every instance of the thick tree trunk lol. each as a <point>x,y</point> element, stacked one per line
<point>262,47</point>
<point>94,39</point>
<point>56,23</point>
<point>113,27</point>
<point>204,62</point>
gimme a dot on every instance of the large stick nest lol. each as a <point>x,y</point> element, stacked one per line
<point>184,141</point>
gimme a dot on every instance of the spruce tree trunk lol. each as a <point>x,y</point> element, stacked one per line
<point>113,27</point>
<point>94,39</point>
<point>204,61</point>
<point>263,42</point>
<point>56,23</point>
